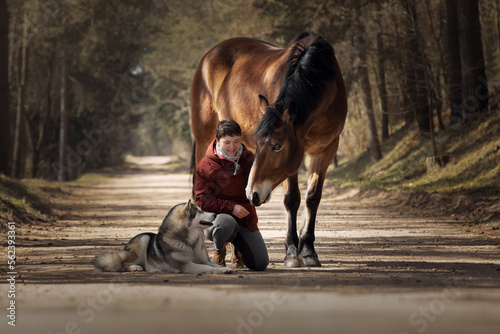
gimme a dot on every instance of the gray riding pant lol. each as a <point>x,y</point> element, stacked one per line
<point>250,243</point>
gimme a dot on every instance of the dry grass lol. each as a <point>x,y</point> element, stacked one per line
<point>474,167</point>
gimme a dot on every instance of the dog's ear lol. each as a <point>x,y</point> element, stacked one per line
<point>189,204</point>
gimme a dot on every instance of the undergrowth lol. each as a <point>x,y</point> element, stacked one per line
<point>28,201</point>
<point>474,167</point>
<point>21,203</point>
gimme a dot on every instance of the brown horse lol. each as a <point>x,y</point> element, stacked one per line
<point>236,79</point>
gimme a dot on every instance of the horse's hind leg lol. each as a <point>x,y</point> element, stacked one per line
<point>203,117</point>
<point>292,203</point>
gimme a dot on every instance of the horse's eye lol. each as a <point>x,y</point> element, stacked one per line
<point>277,147</point>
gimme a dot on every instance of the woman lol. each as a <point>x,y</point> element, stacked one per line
<point>220,181</point>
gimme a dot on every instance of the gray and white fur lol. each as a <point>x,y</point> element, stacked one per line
<point>178,246</point>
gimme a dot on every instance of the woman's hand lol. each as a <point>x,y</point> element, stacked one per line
<point>239,211</point>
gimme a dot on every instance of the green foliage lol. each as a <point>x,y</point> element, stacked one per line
<point>185,34</point>
<point>130,65</point>
<point>101,44</point>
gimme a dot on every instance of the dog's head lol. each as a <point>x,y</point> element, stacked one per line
<point>196,218</point>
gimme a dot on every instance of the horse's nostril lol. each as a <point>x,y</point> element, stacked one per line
<point>255,199</point>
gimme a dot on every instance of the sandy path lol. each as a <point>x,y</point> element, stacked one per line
<point>384,271</point>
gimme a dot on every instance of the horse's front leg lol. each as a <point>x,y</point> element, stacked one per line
<point>306,241</point>
<point>292,203</point>
<point>315,183</point>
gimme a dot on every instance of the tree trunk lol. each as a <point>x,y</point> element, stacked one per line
<point>405,76</point>
<point>62,174</point>
<point>381,56</point>
<point>43,123</point>
<point>383,88</point>
<point>5,135</point>
<point>498,18</point>
<point>474,83</point>
<point>366,91</point>
<point>21,77</point>
<point>438,30</point>
<point>454,77</point>
<point>375,151</point>
<point>439,102</point>
<point>416,72</point>
<point>335,161</point>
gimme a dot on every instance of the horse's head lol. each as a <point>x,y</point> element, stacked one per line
<point>278,152</point>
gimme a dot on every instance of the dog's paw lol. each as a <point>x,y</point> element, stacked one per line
<point>214,265</point>
<point>226,271</point>
<point>135,267</point>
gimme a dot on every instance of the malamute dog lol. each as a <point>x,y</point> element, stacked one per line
<point>178,246</point>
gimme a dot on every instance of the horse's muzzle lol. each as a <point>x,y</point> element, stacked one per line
<point>257,200</point>
<point>259,194</point>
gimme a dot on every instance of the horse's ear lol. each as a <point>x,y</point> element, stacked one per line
<point>290,113</point>
<point>264,103</point>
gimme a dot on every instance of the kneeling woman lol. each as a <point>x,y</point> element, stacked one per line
<point>220,181</point>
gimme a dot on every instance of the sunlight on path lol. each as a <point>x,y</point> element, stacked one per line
<point>379,265</point>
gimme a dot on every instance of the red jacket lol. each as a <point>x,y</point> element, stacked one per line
<point>217,189</point>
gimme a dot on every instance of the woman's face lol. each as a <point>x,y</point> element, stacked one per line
<point>230,145</point>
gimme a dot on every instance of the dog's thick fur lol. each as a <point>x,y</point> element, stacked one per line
<point>178,246</point>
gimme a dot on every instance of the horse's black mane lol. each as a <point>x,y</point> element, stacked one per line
<point>310,67</point>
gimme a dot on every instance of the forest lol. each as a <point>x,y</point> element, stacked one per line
<point>83,83</point>
<point>96,145</point>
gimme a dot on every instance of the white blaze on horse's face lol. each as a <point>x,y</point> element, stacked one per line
<point>257,191</point>
<point>276,158</point>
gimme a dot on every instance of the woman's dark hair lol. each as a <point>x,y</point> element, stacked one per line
<point>227,127</point>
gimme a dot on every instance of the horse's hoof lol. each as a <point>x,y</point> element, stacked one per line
<point>292,263</point>
<point>311,261</point>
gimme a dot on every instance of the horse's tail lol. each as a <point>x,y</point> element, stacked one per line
<point>193,168</point>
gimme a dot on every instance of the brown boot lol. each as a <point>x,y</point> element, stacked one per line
<point>237,258</point>
<point>219,257</point>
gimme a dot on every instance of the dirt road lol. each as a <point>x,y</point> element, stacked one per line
<point>385,270</point>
